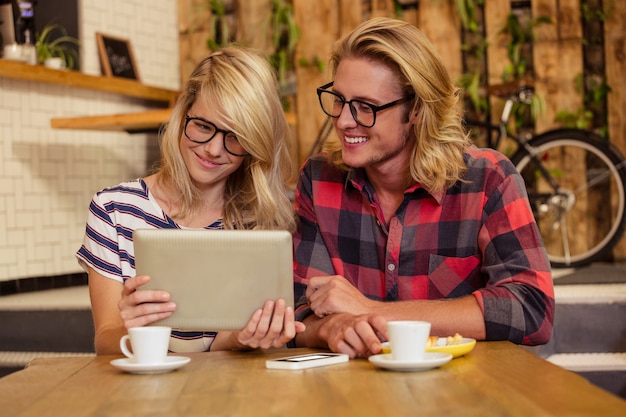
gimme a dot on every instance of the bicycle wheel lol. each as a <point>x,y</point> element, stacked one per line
<point>576,187</point>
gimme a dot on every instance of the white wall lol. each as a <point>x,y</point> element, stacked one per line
<point>48,176</point>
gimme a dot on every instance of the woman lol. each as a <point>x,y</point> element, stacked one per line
<point>224,165</point>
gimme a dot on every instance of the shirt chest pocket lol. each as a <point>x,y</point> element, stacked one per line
<point>451,277</point>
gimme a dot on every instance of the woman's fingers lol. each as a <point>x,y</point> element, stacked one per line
<point>146,319</point>
<point>272,326</point>
<point>140,307</point>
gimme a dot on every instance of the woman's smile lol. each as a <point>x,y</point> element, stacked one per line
<point>208,163</point>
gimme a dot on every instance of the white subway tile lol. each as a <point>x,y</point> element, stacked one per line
<point>48,177</point>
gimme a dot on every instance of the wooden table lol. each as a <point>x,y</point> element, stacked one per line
<point>496,379</point>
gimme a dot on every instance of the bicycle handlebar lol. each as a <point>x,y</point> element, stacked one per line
<point>519,88</point>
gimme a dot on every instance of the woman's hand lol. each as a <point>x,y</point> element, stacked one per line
<point>270,327</point>
<point>141,307</point>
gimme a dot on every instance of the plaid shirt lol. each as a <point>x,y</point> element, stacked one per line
<point>477,237</point>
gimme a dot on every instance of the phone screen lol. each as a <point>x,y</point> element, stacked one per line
<point>304,358</point>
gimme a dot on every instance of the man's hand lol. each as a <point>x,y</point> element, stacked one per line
<point>356,335</point>
<point>334,294</point>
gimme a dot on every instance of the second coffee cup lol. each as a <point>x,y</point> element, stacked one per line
<point>149,344</point>
<point>408,339</point>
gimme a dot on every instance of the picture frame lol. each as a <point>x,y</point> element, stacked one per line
<point>116,57</point>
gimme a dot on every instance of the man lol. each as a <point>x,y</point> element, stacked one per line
<point>402,218</point>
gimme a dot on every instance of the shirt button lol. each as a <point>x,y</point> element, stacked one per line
<point>391,267</point>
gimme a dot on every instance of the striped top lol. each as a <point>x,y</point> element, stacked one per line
<point>114,213</point>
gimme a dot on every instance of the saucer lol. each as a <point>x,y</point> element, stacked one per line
<point>431,360</point>
<point>170,363</point>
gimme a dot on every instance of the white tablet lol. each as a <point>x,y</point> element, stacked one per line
<point>217,278</point>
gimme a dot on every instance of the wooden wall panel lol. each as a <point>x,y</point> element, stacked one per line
<point>193,24</point>
<point>615,59</point>
<point>350,16</point>
<point>252,23</point>
<point>440,22</point>
<point>382,8</point>
<point>411,14</point>
<point>558,60</point>
<point>496,12</point>
<point>318,21</point>
<point>557,56</point>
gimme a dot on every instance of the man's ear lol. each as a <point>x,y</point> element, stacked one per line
<point>415,114</point>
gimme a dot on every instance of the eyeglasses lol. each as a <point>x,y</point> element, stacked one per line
<point>199,130</point>
<point>362,112</point>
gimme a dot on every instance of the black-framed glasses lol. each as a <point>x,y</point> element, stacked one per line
<point>200,130</point>
<point>363,113</point>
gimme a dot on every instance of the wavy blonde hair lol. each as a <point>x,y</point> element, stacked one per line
<point>243,85</point>
<point>437,158</point>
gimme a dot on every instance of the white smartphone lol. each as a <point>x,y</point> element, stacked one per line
<point>309,360</point>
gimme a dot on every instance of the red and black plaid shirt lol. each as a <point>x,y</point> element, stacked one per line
<point>478,237</point>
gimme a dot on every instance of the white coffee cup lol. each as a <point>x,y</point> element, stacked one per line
<point>408,339</point>
<point>149,344</point>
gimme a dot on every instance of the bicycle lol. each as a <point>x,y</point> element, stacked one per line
<point>576,182</point>
<point>570,176</point>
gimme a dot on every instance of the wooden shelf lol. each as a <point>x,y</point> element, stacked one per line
<point>123,86</point>
<point>146,121</point>
<point>149,120</point>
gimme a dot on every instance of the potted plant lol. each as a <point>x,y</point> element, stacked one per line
<point>55,48</point>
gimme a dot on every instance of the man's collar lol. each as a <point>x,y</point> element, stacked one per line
<point>358,179</point>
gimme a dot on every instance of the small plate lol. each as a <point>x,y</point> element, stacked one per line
<point>459,349</point>
<point>171,363</point>
<point>431,360</point>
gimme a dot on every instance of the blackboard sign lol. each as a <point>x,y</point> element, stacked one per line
<point>116,57</point>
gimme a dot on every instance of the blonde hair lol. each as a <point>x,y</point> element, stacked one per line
<point>243,85</point>
<point>437,157</point>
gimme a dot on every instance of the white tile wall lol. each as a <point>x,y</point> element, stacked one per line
<point>48,176</point>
